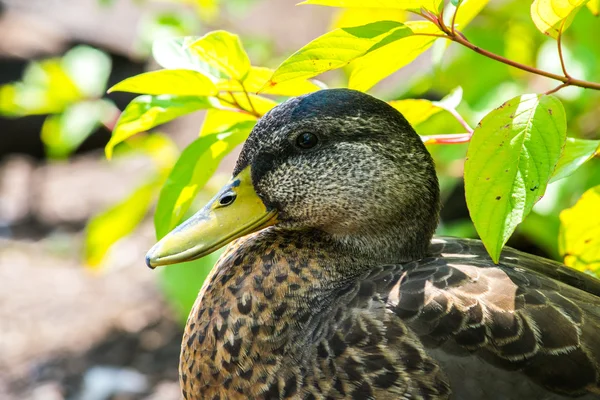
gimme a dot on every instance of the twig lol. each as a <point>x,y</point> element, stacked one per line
<point>460,119</point>
<point>457,37</point>
<point>450,138</point>
<point>556,89</point>
<point>461,39</point>
<point>236,105</point>
<point>111,122</point>
<point>454,17</point>
<point>560,51</point>
<point>248,98</point>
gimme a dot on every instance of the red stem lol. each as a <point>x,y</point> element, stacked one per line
<point>451,138</point>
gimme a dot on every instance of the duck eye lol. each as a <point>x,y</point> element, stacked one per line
<point>307,140</point>
<point>227,199</point>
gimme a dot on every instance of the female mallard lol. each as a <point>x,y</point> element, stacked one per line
<point>340,292</point>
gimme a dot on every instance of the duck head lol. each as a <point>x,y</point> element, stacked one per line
<point>338,164</point>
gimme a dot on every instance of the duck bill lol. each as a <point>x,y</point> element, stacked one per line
<point>218,223</point>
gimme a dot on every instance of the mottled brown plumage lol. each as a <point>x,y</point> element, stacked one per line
<point>346,297</point>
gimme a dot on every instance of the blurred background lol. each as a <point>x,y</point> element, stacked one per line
<point>81,317</point>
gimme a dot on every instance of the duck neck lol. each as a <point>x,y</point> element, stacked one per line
<point>389,245</point>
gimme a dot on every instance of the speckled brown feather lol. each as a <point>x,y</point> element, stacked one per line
<point>275,321</point>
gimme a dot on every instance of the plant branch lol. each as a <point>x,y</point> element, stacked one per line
<point>460,119</point>
<point>111,122</point>
<point>454,17</point>
<point>249,99</point>
<point>460,39</point>
<point>236,106</point>
<point>450,138</point>
<point>556,89</point>
<point>457,37</point>
<point>560,51</point>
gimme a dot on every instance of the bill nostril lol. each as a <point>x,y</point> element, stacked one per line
<point>227,199</point>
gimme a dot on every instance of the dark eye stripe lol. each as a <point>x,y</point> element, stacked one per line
<point>307,140</point>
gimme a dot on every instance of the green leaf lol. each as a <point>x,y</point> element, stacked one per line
<point>416,111</point>
<point>89,69</point>
<point>552,16</point>
<point>411,5</point>
<point>178,82</point>
<point>175,53</point>
<point>63,133</point>
<point>195,166</point>
<point>513,152</point>
<point>146,112</point>
<point>105,229</point>
<point>393,52</point>
<point>334,50</point>
<point>259,76</point>
<point>223,51</point>
<point>575,154</point>
<point>579,237</point>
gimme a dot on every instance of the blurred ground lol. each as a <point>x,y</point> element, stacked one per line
<point>65,330</point>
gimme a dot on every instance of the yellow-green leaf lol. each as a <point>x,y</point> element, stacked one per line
<point>552,16</point>
<point>335,50</point>
<point>411,5</point>
<point>163,24</point>
<point>157,147</point>
<point>63,133</point>
<point>520,45</point>
<point>46,88</point>
<point>207,9</point>
<point>416,111</point>
<point>88,68</point>
<point>178,82</point>
<point>51,85</point>
<point>223,51</point>
<point>579,237</point>
<point>594,7</point>
<point>195,166</point>
<point>146,112</point>
<point>513,152</point>
<point>258,77</point>
<point>349,17</point>
<point>260,104</point>
<point>217,120</point>
<point>574,155</point>
<point>468,10</point>
<point>393,52</point>
<point>105,229</point>
<point>176,53</point>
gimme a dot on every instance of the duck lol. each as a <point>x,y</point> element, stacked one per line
<point>333,285</point>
